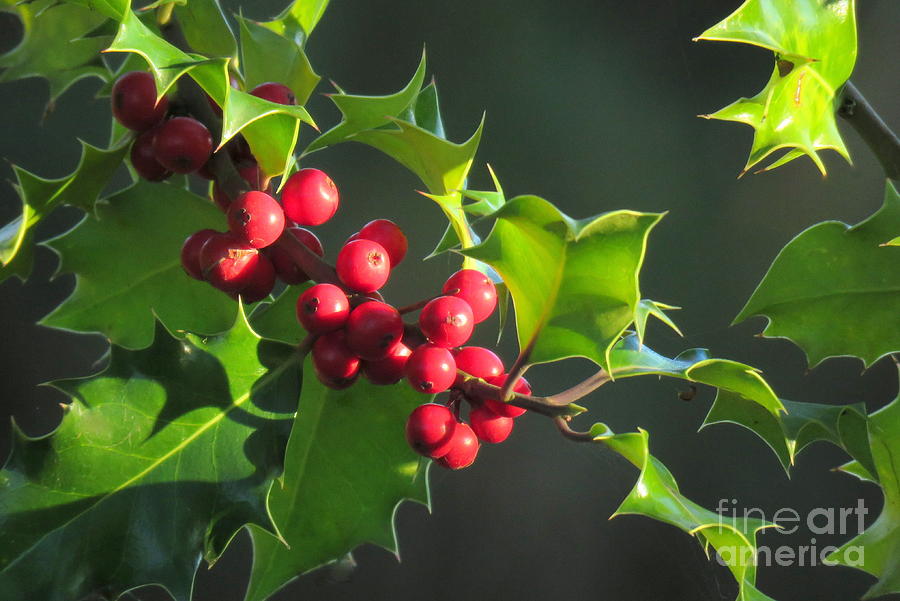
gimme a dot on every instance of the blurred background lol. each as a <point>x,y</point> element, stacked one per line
<point>591,104</point>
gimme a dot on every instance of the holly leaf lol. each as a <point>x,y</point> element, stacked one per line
<point>645,309</point>
<point>114,9</point>
<point>278,320</point>
<point>205,28</point>
<point>267,56</point>
<point>574,284</point>
<point>814,42</point>
<point>656,495</point>
<point>159,460</point>
<point>486,201</point>
<point>347,468</point>
<point>40,196</point>
<point>299,19</point>
<point>127,266</point>
<point>834,291</point>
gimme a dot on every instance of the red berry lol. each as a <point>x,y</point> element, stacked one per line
<point>334,361</point>
<point>363,265</point>
<point>478,362</point>
<point>390,369</point>
<point>227,262</point>
<point>389,235</point>
<point>463,449</point>
<point>310,197</point>
<point>476,289</point>
<point>447,321</point>
<point>429,430</point>
<point>262,280</point>
<point>257,218</point>
<point>502,408</point>
<point>144,161</point>
<point>285,266</point>
<point>274,92</point>
<point>190,252</point>
<point>323,308</point>
<point>431,369</point>
<point>182,144</point>
<point>373,330</point>
<point>488,426</point>
<point>134,101</point>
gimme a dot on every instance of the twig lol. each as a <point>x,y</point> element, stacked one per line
<point>883,142</point>
<point>566,430</point>
<point>580,390</point>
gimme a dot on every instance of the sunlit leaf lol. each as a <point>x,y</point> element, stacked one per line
<point>648,307</point>
<point>205,28</point>
<point>267,56</point>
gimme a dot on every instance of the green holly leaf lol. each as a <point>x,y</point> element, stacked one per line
<point>645,309</point>
<point>126,259</point>
<point>278,320</point>
<point>40,196</point>
<point>574,284</point>
<point>881,540</point>
<point>834,291</point>
<point>656,495</point>
<point>159,460</point>
<point>346,469</point>
<point>205,28</point>
<point>267,56</point>
<point>55,44</point>
<point>114,9</point>
<point>814,42</point>
<point>299,19</point>
<point>486,201</point>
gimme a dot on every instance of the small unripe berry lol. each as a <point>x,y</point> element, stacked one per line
<point>478,362</point>
<point>488,426</point>
<point>274,92</point>
<point>389,235</point>
<point>182,144</point>
<point>363,265</point>
<point>335,363</point>
<point>257,218</point>
<point>447,321</point>
<point>285,266</point>
<point>144,161</point>
<point>323,308</point>
<point>476,289</point>
<point>310,197</point>
<point>190,252</point>
<point>227,262</point>
<point>134,101</point>
<point>389,370</point>
<point>502,408</point>
<point>429,430</point>
<point>431,369</point>
<point>373,330</point>
<point>463,449</point>
<point>262,280</point>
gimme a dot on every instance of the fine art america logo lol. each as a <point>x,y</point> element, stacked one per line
<point>818,522</point>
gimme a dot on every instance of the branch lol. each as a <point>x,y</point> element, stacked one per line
<point>548,406</point>
<point>883,142</point>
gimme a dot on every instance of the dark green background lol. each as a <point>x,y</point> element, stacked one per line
<point>591,104</point>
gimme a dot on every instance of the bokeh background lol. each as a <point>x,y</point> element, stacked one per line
<point>592,104</point>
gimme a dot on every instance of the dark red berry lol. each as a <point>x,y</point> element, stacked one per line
<point>447,321</point>
<point>310,197</point>
<point>257,218</point>
<point>373,330</point>
<point>285,266</point>
<point>478,362</point>
<point>389,370</point>
<point>190,252</point>
<point>431,369</point>
<point>429,430</point>
<point>476,289</point>
<point>334,361</point>
<point>227,262</point>
<point>363,265</point>
<point>463,449</point>
<point>144,161</point>
<point>502,408</point>
<point>274,92</point>
<point>262,280</point>
<point>389,235</point>
<point>323,308</point>
<point>134,101</point>
<point>182,144</point>
<point>488,426</point>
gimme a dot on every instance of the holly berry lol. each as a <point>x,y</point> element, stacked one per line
<point>463,448</point>
<point>363,265</point>
<point>262,280</point>
<point>373,330</point>
<point>310,197</point>
<point>227,262</point>
<point>429,430</point>
<point>488,426</point>
<point>190,252</point>
<point>431,369</point>
<point>476,289</point>
<point>389,370</point>
<point>323,308</point>
<point>182,144</point>
<point>257,218</point>
<point>285,266</point>
<point>478,362</point>
<point>274,92</point>
<point>335,363</point>
<point>134,102</point>
<point>144,161</point>
<point>389,235</point>
<point>502,408</point>
<point>447,321</point>
<point>251,174</point>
